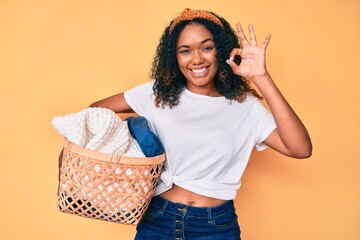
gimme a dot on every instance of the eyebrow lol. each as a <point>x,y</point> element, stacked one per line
<point>202,42</point>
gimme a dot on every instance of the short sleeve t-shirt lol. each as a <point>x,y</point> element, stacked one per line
<point>208,140</point>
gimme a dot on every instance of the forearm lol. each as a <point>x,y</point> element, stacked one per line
<point>116,103</point>
<point>292,132</point>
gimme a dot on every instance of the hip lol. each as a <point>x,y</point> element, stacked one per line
<point>168,220</point>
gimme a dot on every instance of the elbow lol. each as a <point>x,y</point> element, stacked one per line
<point>94,104</point>
<point>305,152</point>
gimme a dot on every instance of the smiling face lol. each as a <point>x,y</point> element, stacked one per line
<point>196,57</point>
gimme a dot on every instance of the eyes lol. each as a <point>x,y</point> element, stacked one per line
<point>187,51</point>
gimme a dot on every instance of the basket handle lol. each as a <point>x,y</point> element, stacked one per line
<point>115,159</point>
<point>71,147</point>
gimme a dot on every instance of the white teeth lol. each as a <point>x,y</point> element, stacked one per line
<point>198,70</point>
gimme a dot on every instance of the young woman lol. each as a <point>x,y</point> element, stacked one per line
<point>208,118</point>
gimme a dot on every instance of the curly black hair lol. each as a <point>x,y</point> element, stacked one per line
<point>170,82</point>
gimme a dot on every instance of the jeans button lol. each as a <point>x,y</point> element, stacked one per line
<point>182,209</point>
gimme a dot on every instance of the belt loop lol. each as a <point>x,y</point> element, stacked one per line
<point>210,220</point>
<point>162,210</point>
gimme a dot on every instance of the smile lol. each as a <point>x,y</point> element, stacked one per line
<point>199,70</point>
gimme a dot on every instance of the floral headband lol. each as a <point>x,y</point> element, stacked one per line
<point>189,14</point>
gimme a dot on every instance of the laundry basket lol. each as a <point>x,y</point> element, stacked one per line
<point>106,187</point>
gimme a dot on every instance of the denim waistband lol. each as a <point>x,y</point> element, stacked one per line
<point>199,212</point>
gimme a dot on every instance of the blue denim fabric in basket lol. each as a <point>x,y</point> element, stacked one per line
<point>148,141</point>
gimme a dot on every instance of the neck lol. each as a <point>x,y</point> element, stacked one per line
<point>205,92</point>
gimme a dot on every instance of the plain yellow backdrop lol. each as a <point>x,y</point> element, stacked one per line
<point>58,56</point>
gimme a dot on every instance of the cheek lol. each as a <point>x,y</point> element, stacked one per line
<point>213,58</point>
<point>215,62</point>
<point>182,63</point>
<point>216,66</point>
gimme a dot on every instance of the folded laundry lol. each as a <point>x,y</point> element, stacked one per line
<point>98,129</point>
<point>148,141</point>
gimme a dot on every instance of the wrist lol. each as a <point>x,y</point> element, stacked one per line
<point>265,85</point>
<point>258,79</point>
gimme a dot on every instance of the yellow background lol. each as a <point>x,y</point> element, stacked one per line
<point>56,57</point>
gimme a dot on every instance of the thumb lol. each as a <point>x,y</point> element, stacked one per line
<point>231,63</point>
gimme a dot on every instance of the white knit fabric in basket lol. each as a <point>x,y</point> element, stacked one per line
<point>98,129</point>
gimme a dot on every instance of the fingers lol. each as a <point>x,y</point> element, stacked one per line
<point>235,51</point>
<point>253,40</point>
<point>242,37</point>
<point>230,61</point>
<point>252,35</point>
<point>266,41</point>
<point>232,64</point>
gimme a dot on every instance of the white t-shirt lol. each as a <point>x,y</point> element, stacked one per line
<point>208,140</point>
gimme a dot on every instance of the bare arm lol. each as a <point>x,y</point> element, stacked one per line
<point>290,137</point>
<point>115,103</point>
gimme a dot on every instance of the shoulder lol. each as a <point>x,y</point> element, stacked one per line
<point>251,98</point>
<point>146,85</point>
<point>254,105</point>
<point>140,97</point>
<point>248,101</point>
<point>141,88</point>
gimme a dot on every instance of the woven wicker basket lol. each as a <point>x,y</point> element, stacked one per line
<point>106,187</point>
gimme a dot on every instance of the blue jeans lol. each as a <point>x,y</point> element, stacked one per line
<point>165,220</point>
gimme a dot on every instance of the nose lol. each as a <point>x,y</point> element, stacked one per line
<point>197,58</point>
